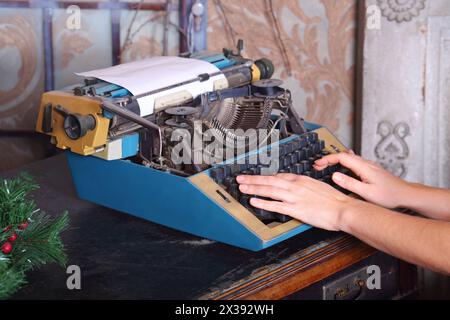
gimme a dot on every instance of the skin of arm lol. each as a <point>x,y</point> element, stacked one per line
<point>382,188</point>
<point>417,240</point>
<point>420,241</point>
<point>431,202</point>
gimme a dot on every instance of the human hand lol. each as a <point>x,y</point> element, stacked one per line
<point>377,185</point>
<point>305,199</point>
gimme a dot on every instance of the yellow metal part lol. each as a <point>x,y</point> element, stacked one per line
<point>86,145</point>
<point>256,73</point>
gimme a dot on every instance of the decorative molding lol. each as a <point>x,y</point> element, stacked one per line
<point>20,57</point>
<point>401,10</point>
<point>392,150</point>
<point>437,103</point>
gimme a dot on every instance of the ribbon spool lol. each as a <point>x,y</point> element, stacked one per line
<point>267,88</point>
<point>180,116</point>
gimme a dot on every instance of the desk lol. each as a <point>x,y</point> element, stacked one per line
<point>123,257</point>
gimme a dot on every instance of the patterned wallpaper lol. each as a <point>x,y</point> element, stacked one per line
<point>21,66</point>
<point>21,83</point>
<point>80,50</point>
<point>317,62</point>
<point>147,35</point>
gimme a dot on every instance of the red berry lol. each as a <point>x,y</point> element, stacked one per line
<point>23,226</point>
<point>7,247</point>
<point>7,229</point>
<point>13,237</point>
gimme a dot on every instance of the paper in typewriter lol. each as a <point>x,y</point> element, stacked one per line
<point>156,73</point>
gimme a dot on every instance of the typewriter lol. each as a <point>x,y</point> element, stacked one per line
<point>165,138</point>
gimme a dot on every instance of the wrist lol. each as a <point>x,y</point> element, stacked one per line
<point>408,194</point>
<point>347,214</point>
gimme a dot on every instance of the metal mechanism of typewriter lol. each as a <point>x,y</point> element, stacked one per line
<point>124,159</point>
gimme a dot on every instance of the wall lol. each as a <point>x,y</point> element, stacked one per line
<point>405,92</point>
<point>317,63</point>
<point>405,97</point>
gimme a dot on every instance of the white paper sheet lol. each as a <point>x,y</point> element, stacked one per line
<point>156,73</point>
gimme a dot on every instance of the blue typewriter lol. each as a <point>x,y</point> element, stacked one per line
<point>165,138</point>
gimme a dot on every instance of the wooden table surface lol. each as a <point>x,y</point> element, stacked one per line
<point>123,257</point>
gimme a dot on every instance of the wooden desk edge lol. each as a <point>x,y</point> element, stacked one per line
<point>307,267</point>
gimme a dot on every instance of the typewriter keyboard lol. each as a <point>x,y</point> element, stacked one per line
<point>296,156</point>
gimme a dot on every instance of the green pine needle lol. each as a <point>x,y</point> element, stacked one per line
<point>36,245</point>
<point>10,279</point>
<point>40,243</point>
<point>15,208</point>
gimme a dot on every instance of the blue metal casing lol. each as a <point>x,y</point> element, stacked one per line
<point>163,198</point>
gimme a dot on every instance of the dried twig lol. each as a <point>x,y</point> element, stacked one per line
<point>277,31</point>
<point>166,28</point>
<point>128,38</point>
<point>139,28</point>
<point>228,28</point>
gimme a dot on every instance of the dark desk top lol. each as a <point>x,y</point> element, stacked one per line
<point>123,257</point>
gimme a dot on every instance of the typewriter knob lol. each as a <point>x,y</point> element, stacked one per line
<point>76,126</point>
<point>266,68</point>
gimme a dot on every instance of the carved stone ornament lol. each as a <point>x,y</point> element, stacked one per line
<point>401,10</point>
<point>392,151</point>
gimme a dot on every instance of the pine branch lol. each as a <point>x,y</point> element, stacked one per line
<point>10,279</point>
<point>40,243</point>
<point>38,240</point>
<point>14,207</point>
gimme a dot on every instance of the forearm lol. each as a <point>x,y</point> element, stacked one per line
<point>416,240</point>
<point>431,202</point>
